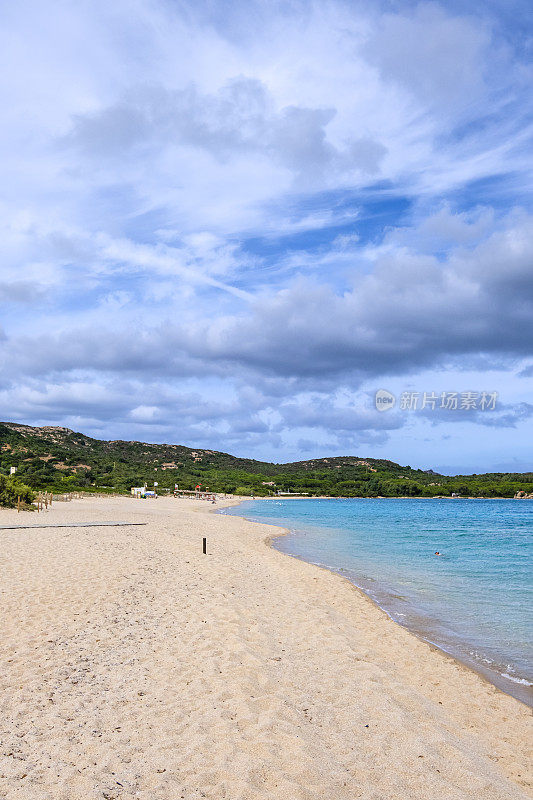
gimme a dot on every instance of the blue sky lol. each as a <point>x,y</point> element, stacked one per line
<point>228,226</point>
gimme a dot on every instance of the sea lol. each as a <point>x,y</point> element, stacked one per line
<point>473,600</point>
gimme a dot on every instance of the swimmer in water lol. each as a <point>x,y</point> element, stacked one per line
<point>437,553</point>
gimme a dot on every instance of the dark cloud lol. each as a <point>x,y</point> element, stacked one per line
<point>412,311</point>
<point>322,413</point>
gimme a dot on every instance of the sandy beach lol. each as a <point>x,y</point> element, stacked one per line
<point>134,666</point>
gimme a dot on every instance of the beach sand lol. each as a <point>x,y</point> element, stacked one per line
<point>133,666</point>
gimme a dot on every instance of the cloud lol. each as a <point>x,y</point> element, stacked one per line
<point>144,413</point>
<point>440,58</point>
<point>318,412</point>
<point>503,415</point>
<point>239,120</point>
<point>232,214</point>
<point>509,416</point>
<point>19,292</point>
<point>409,311</point>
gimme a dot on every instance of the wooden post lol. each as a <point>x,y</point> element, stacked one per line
<point>18,504</point>
<point>204,546</point>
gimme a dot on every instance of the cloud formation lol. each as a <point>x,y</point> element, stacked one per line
<point>246,218</point>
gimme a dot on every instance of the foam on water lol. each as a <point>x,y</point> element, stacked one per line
<point>473,601</point>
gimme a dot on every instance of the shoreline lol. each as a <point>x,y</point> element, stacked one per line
<point>378,497</point>
<point>519,691</point>
<point>137,667</point>
<point>489,676</point>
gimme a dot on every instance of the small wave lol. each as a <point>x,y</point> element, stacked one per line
<point>521,681</point>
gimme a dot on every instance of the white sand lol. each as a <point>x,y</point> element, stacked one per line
<point>135,667</point>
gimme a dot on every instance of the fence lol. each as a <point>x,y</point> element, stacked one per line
<point>45,499</point>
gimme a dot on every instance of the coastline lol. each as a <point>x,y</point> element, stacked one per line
<point>137,667</point>
<point>516,690</point>
<point>490,676</point>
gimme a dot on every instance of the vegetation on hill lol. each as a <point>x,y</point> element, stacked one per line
<point>61,460</point>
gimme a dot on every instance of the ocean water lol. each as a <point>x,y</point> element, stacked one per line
<point>473,601</point>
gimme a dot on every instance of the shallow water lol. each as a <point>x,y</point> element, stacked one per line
<point>472,601</point>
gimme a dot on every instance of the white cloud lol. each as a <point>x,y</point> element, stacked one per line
<point>144,413</point>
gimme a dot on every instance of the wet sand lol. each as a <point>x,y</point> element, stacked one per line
<point>133,666</point>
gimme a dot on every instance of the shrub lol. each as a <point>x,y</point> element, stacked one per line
<point>11,489</point>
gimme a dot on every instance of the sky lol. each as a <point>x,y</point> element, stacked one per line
<point>228,225</point>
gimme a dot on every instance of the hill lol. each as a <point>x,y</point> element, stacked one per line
<point>60,459</point>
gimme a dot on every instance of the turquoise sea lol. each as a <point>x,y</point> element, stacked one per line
<point>473,601</point>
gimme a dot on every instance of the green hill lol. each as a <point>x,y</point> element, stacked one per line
<point>62,460</point>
